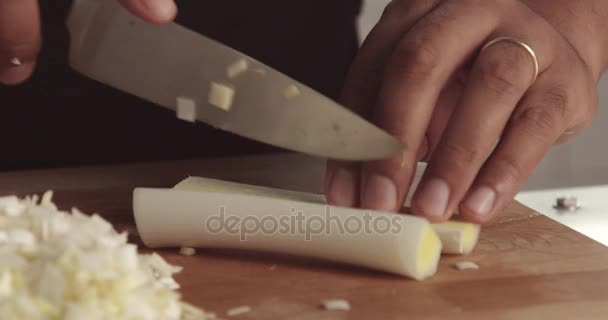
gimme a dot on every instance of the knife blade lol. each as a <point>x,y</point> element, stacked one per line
<point>167,63</point>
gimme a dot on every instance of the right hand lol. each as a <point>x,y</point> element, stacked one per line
<point>20,36</point>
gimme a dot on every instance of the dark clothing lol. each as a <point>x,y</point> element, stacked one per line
<point>60,118</point>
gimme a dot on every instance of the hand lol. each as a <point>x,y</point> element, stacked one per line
<point>480,118</point>
<point>20,36</point>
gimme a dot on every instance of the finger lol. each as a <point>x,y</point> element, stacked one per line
<point>20,39</point>
<point>424,60</point>
<point>341,183</point>
<point>155,11</point>
<point>362,84</point>
<point>579,121</point>
<point>446,103</point>
<point>499,79</point>
<point>365,75</point>
<point>534,127</point>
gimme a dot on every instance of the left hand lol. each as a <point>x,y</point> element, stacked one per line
<point>21,34</point>
<point>481,118</point>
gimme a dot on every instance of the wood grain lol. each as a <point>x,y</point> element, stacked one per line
<point>531,267</point>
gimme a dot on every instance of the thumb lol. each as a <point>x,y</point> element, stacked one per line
<point>20,40</point>
<point>155,11</point>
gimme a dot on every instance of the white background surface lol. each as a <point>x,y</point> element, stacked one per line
<point>591,219</point>
<point>582,163</point>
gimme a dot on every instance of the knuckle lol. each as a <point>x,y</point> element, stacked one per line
<point>508,170</point>
<point>538,120</point>
<point>417,58</point>
<point>425,56</point>
<point>461,155</point>
<point>506,71</point>
<point>557,99</point>
<point>547,115</point>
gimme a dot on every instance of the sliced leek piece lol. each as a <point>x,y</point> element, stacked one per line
<point>187,251</point>
<point>466,265</point>
<point>336,305</point>
<point>221,96</point>
<point>186,109</point>
<point>291,92</point>
<point>237,311</point>
<point>237,68</point>
<point>458,237</point>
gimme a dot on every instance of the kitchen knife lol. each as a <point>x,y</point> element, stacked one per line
<point>177,68</point>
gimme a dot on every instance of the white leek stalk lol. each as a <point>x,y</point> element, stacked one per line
<point>219,219</point>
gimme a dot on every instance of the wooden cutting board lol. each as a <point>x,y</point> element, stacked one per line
<point>531,267</point>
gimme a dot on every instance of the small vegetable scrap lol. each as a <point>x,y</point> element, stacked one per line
<point>260,71</point>
<point>72,266</point>
<point>187,251</point>
<point>336,305</point>
<point>466,265</point>
<point>291,92</point>
<point>221,96</point>
<point>186,109</point>
<point>237,68</point>
<point>238,311</point>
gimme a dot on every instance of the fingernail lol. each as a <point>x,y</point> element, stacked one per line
<point>16,62</point>
<point>481,201</point>
<point>161,9</point>
<point>16,73</point>
<point>432,198</point>
<point>380,194</point>
<point>342,188</point>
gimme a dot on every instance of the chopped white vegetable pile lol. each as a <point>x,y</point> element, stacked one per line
<point>336,305</point>
<point>186,251</point>
<point>291,92</point>
<point>59,265</point>
<point>186,109</point>
<point>238,311</point>
<point>221,96</point>
<point>466,265</point>
<point>237,68</point>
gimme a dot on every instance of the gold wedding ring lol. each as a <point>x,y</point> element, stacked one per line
<point>523,45</point>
